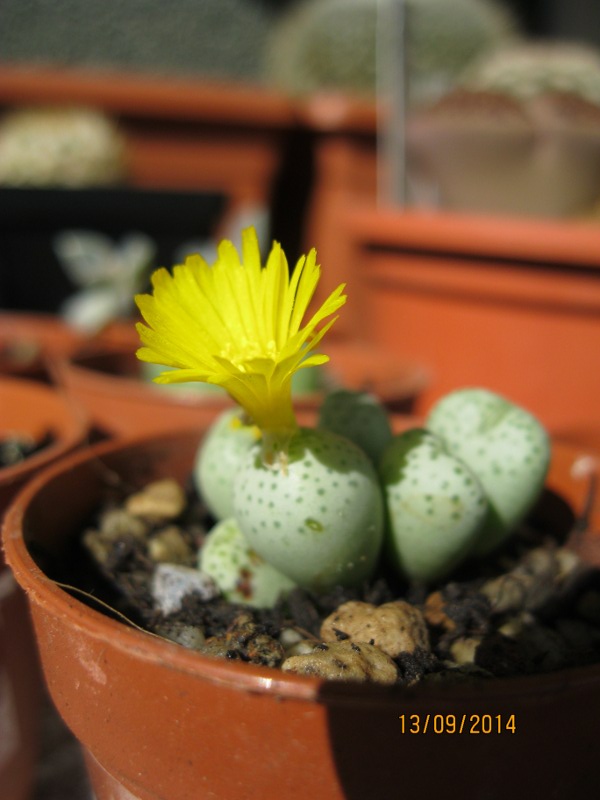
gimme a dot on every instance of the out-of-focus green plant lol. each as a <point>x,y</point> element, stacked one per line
<point>107,273</point>
<point>529,68</point>
<point>331,44</point>
<point>56,146</point>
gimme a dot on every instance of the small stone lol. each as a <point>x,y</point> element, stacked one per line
<point>464,650</point>
<point>172,582</point>
<point>97,546</point>
<point>294,643</point>
<point>528,586</point>
<point>517,625</point>
<point>344,661</point>
<point>117,523</point>
<point>169,545</point>
<point>544,575</point>
<point>216,647</point>
<point>247,640</point>
<point>395,628</point>
<point>457,610</point>
<point>189,636</point>
<point>435,614</point>
<point>160,501</point>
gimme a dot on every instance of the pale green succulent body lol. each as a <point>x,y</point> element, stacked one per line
<point>435,506</point>
<point>360,417</point>
<point>239,572</point>
<point>504,445</point>
<point>218,460</point>
<point>318,518</point>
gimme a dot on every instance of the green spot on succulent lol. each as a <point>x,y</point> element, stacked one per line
<point>313,524</point>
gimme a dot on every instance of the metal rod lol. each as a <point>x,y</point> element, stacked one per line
<point>392,99</point>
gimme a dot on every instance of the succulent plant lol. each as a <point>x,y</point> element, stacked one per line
<point>331,44</point>
<point>239,572</point>
<point>435,505</point>
<point>360,417</point>
<point>219,458</point>
<point>526,69</point>
<point>505,446</point>
<point>55,146</point>
<point>319,520</point>
<point>445,36</point>
<point>107,274</point>
<point>308,503</point>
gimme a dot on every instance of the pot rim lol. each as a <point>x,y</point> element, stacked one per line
<point>240,676</point>
<point>409,379</point>
<point>71,434</point>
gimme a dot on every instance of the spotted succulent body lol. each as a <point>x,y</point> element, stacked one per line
<point>218,460</point>
<point>240,573</point>
<point>505,445</point>
<point>318,518</point>
<point>435,505</point>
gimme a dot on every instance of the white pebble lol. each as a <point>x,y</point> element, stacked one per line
<point>172,582</point>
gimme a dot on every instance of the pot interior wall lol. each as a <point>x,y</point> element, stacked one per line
<point>75,493</point>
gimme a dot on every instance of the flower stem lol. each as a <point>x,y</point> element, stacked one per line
<point>275,447</point>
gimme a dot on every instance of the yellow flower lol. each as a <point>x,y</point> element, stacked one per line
<point>238,324</point>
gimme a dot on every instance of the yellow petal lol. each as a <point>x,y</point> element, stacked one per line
<point>240,325</point>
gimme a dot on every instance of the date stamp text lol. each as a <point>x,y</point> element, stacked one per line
<point>470,724</point>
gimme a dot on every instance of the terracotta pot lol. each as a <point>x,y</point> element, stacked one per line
<point>513,305</point>
<point>487,152</point>
<point>35,410</point>
<point>20,692</point>
<point>342,134</point>
<point>107,381</point>
<point>29,342</point>
<point>161,722</point>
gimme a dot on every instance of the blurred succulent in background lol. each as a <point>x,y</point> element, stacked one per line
<point>331,44</point>
<point>108,274</point>
<point>519,134</point>
<point>529,68</point>
<point>55,146</point>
